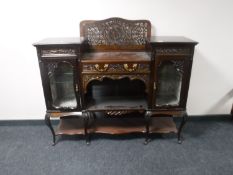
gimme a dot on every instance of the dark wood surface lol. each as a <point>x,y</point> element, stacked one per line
<point>118,103</point>
<point>79,40</point>
<point>118,57</point>
<point>70,126</point>
<point>59,41</point>
<point>116,49</point>
<point>73,126</point>
<point>172,39</point>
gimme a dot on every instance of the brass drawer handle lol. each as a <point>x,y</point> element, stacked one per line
<point>103,68</point>
<point>131,68</point>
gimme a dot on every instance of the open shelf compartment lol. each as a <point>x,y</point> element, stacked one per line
<point>104,125</point>
<point>119,94</point>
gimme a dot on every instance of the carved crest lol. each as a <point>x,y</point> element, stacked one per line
<point>116,31</point>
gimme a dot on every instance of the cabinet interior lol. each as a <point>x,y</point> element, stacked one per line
<point>120,93</point>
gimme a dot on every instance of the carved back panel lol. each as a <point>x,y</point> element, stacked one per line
<point>116,34</point>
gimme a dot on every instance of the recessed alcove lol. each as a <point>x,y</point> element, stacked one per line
<point>122,93</point>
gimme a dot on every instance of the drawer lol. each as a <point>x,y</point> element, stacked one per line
<point>116,68</point>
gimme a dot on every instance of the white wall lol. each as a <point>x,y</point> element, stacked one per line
<point>26,21</point>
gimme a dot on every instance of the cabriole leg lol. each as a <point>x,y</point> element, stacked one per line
<point>48,123</point>
<point>86,117</point>
<point>147,117</point>
<point>184,119</point>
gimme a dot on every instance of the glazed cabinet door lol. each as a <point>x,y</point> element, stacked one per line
<point>60,84</point>
<point>171,79</point>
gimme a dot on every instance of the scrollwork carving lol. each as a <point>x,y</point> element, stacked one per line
<point>87,78</point>
<point>116,31</point>
<point>59,51</point>
<point>178,64</point>
<point>100,68</point>
<point>173,51</point>
<point>130,68</point>
<point>115,68</point>
<point>118,113</point>
<point>51,68</point>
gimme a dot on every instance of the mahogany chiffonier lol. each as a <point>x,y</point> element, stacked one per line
<point>115,79</point>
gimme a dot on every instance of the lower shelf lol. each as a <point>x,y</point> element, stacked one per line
<point>73,126</point>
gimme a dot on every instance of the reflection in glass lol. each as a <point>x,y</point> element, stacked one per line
<point>62,85</point>
<point>169,83</point>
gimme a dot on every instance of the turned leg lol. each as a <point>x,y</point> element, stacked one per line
<point>184,119</point>
<point>147,117</point>
<point>86,117</point>
<point>48,123</point>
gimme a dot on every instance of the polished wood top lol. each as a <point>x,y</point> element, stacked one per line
<point>59,41</point>
<point>116,56</point>
<point>171,39</point>
<point>79,40</point>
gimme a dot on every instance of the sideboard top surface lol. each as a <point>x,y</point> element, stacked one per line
<point>59,41</point>
<point>78,40</point>
<point>171,39</point>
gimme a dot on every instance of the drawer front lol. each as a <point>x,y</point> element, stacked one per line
<point>116,68</point>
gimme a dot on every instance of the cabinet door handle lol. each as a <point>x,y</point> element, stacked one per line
<point>154,85</point>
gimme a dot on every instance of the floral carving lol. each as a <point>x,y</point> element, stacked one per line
<point>88,78</point>
<point>178,64</point>
<point>116,31</point>
<point>51,68</point>
<point>113,68</point>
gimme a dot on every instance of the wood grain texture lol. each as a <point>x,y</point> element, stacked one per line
<point>116,49</point>
<point>73,126</point>
<point>118,57</point>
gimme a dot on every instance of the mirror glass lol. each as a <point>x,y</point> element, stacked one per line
<point>62,85</point>
<point>169,83</point>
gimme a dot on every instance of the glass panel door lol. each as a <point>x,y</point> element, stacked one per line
<point>169,81</point>
<point>61,78</point>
